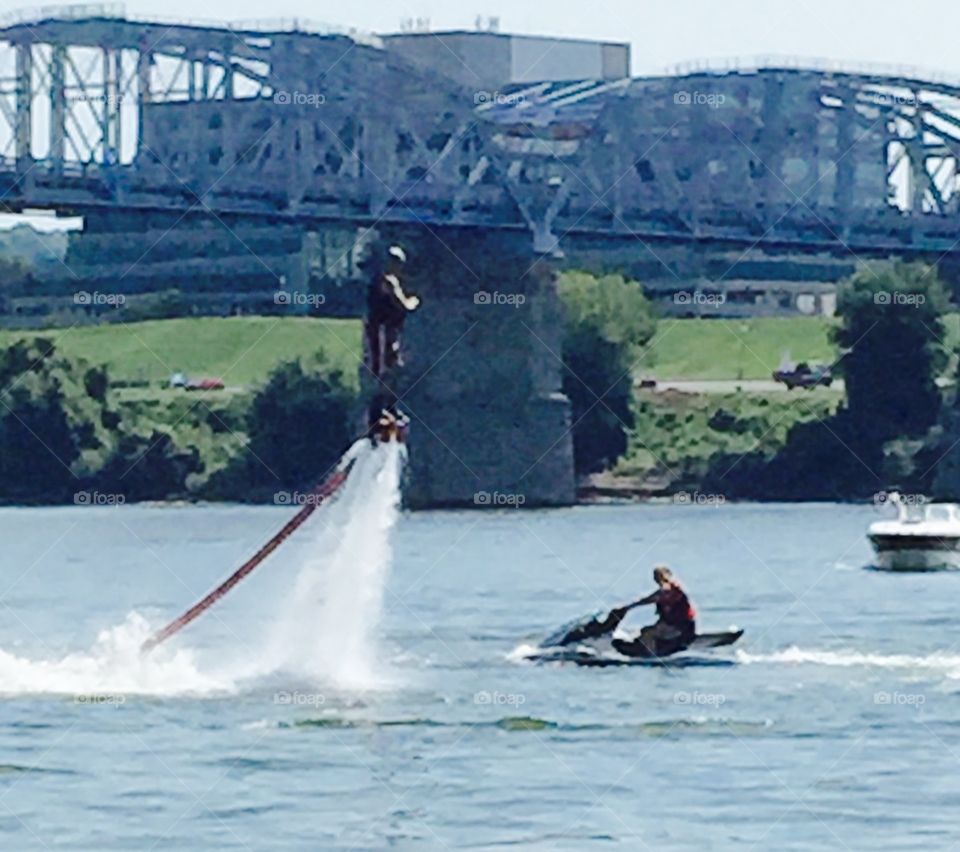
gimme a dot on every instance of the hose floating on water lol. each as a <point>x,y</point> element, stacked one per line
<point>324,491</point>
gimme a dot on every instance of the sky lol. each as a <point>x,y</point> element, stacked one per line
<point>663,33</point>
<point>919,33</point>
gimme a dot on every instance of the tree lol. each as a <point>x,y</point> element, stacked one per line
<point>60,434</point>
<point>892,332</point>
<point>149,467</point>
<point>298,425</point>
<point>892,329</point>
<point>608,322</point>
<point>51,430</point>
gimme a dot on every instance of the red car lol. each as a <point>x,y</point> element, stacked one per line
<point>204,385</point>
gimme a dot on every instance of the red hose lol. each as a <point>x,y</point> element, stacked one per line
<point>321,493</point>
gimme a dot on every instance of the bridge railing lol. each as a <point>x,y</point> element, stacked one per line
<point>304,25</point>
<point>117,11</point>
<point>74,12</point>
<point>726,65</point>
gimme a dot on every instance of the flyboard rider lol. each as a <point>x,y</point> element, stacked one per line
<point>387,308</point>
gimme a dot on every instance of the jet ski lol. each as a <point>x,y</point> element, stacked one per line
<point>593,641</point>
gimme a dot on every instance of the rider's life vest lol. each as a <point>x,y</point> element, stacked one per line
<point>674,607</point>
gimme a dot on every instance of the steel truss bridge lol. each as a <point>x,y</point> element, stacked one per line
<point>101,112</point>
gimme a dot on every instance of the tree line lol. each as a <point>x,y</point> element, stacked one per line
<point>63,431</point>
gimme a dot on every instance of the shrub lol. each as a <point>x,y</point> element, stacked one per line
<point>608,322</point>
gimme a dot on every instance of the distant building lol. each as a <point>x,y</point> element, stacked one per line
<point>487,61</point>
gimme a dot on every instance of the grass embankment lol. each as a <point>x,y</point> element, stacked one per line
<point>706,350</point>
<point>676,434</point>
<point>242,351</point>
<point>714,350</point>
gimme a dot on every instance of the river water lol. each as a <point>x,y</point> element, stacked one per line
<point>261,727</point>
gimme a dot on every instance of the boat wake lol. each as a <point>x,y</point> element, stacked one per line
<point>323,633</point>
<point>523,653</point>
<point>945,663</point>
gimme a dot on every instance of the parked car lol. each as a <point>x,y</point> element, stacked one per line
<point>804,375</point>
<point>205,385</point>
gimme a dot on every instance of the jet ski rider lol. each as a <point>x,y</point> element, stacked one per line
<point>676,626</point>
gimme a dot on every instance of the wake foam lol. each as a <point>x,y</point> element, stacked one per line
<point>522,653</point>
<point>113,666</point>
<point>949,664</point>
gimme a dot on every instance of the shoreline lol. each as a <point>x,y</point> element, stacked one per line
<point>586,497</point>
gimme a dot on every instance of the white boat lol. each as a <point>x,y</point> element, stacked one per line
<point>924,537</point>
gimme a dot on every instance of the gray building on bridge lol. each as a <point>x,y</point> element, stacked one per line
<point>492,61</point>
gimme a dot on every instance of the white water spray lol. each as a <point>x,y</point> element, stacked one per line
<point>326,630</point>
<point>113,667</point>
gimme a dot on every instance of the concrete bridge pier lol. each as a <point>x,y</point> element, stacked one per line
<point>490,425</point>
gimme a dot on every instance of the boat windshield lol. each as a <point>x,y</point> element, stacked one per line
<point>939,513</point>
<point>916,513</point>
<point>913,513</point>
